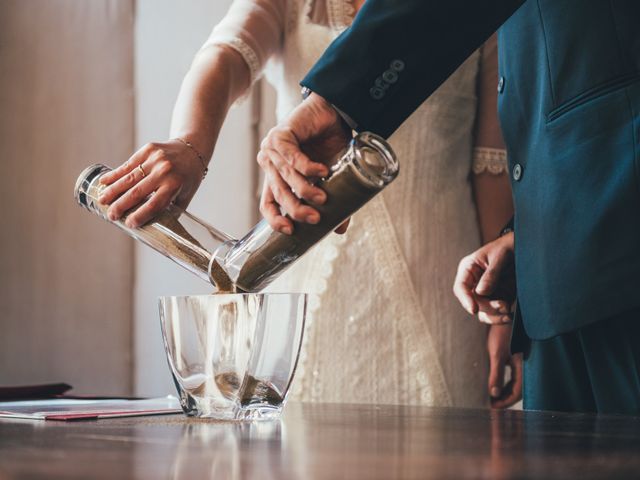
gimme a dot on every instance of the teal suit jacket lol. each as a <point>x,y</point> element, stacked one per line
<point>570,112</point>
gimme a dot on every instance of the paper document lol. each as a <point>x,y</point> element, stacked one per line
<point>76,409</point>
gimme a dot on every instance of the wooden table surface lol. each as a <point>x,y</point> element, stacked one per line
<point>324,441</point>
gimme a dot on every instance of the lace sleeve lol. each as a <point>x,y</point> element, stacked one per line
<point>254,29</point>
<point>491,160</point>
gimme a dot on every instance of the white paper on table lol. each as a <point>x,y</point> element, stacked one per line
<point>81,409</point>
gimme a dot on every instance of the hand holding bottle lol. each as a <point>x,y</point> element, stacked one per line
<point>154,176</point>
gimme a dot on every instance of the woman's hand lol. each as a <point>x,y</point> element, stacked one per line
<point>154,176</point>
<point>498,341</point>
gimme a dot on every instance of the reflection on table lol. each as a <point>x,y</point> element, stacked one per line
<point>329,441</point>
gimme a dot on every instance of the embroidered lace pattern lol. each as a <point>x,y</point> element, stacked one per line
<point>341,13</point>
<point>492,160</point>
<point>249,57</point>
<point>321,260</point>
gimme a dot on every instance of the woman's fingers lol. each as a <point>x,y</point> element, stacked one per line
<point>490,280</point>
<point>122,185</point>
<point>271,211</point>
<point>465,282</point>
<point>155,203</point>
<point>136,159</point>
<point>132,194</point>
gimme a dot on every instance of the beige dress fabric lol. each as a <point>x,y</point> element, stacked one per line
<point>383,325</point>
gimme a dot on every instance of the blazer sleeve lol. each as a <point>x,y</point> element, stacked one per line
<point>396,54</point>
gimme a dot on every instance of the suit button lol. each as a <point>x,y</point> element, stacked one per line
<point>390,76</point>
<point>376,93</point>
<point>517,172</point>
<point>501,85</point>
<point>381,84</point>
<point>397,65</point>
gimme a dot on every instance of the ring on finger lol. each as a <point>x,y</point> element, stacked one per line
<point>142,171</point>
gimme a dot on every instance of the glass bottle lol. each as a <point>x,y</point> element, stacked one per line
<point>359,173</point>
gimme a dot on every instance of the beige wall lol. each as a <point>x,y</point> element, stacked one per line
<point>81,82</point>
<point>66,85</point>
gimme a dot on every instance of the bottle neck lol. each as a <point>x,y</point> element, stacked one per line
<point>373,159</point>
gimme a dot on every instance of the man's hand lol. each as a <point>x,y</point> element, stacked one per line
<point>503,396</point>
<point>485,282</point>
<point>293,155</point>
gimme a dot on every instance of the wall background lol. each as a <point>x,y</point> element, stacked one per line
<point>66,102</point>
<point>85,82</point>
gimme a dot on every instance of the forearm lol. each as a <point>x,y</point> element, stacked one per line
<point>217,78</point>
<point>490,170</point>
<point>493,203</point>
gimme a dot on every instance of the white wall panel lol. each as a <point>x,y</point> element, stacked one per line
<point>168,33</point>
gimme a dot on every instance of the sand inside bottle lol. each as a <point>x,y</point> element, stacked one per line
<point>347,191</point>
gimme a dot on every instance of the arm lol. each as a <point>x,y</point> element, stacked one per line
<point>490,178</point>
<point>221,73</point>
<point>429,39</point>
<point>414,44</point>
<point>494,205</point>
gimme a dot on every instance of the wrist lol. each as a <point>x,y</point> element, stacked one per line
<point>193,151</point>
<point>346,119</point>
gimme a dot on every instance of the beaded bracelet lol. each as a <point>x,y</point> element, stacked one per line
<point>202,160</point>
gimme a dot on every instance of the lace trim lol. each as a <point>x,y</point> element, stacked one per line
<point>250,58</point>
<point>492,160</point>
<point>292,17</point>
<point>337,14</point>
<point>317,285</point>
<point>341,13</point>
<point>433,387</point>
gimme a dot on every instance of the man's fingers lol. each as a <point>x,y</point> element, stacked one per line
<point>465,282</point>
<point>154,204</point>
<point>296,181</point>
<point>287,200</point>
<point>302,163</point>
<point>284,142</point>
<point>271,212</point>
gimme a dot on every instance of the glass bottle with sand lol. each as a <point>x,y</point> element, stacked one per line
<point>357,175</point>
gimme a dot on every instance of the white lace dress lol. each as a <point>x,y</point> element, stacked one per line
<point>383,324</point>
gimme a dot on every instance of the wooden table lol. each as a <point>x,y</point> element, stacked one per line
<point>329,442</point>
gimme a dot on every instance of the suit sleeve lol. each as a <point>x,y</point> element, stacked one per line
<point>397,53</point>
